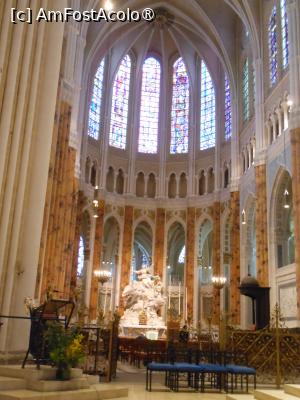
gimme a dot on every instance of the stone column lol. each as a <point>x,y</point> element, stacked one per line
<point>295,143</point>
<point>190,259</point>
<point>294,32</point>
<point>261,214</point>
<point>216,253</point>
<point>96,260</point>
<point>60,210</point>
<point>126,249</point>
<point>160,223</point>
<point>235,257</point>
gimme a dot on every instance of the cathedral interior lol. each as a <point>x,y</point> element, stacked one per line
<point>168,146</point>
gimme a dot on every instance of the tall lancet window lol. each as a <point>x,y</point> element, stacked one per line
<point>245,90</point>
<point>208,110</point>
<point>119,108</point>
<point>228,110</point>
<point>273,45</point>
<point>80,259</point>
<point>95,104</point>
<point>284,34</point>
<point>149,112</point>
<point>180,108</point>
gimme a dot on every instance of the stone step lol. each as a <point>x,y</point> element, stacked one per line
<point>55,385</point>
<point>84,394</point>
<point>239,397</point>
<point>8,383</point>
<point>273,395</point>
<point>95,392</point>
<point>292,389</point>
<point>30,372</point>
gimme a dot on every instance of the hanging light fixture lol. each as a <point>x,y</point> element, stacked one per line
<point>243,217</point>
<point>95,202</point>
<point>218,281</point>
<point>102,275</point>
<point>286,195</point>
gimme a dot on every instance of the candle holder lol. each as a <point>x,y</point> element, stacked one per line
<point>102,275</point>
<point>218,281</point>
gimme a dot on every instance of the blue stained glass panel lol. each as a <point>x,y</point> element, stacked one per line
<point>208,110</point>
<point>119,108</point>
<point>284,34</point>
<point>149,111</point>
<point>180,109</point>
<point>228,110</point>
<point>273,67</point>
<point>95,104</point>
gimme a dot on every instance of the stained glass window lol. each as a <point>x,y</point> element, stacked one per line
<point>149,112</point>
<point>80,259</point>
<point>119,108</point>
<point>245,90</point>
<point>228,111</point>
<point>208,110</point>
<point>180,109</point>
<point>284,33</point>
<point>273,66</point>
<point>181,257</point>
<point>95,104</point>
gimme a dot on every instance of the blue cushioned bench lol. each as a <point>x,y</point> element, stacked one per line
<point>242,371</point>
<point>217,372</point>
<point>168,368</point>
<point>196,374</point>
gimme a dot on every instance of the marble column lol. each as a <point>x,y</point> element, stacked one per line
<point>160,223</point>
<point>190,259</point>
<point>293,8</point>
<point>216,257</point>
<point>57,243</point>
<point>261,220</point>
<point>295,143</point>
<point>96,260</point>
<point>126,249</point>
<point>235,257</point>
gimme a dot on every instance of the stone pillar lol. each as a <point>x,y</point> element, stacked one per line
<point>235,257</point>
<point>126,249</point>
<point>216,257</point>
<point>294,31</point>
<point>160,222</point>
<point>261,214</point>
<point>60,211</point>
<point>295,143</point>
<point>190,259</point>
<point>96,260</point>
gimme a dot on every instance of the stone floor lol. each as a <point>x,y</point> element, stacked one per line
<point>135,380</point>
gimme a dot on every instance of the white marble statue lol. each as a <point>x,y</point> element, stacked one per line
<point>144,294</point>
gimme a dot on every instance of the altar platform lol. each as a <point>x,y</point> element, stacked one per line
<point>33,384</point>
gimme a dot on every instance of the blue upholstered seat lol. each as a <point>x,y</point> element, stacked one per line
<point>153,366</point>
<point>240,369</point>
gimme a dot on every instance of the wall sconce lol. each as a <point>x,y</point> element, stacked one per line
<point>243,217</point>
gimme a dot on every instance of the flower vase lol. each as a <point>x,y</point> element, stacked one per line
<point>63,372</point>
